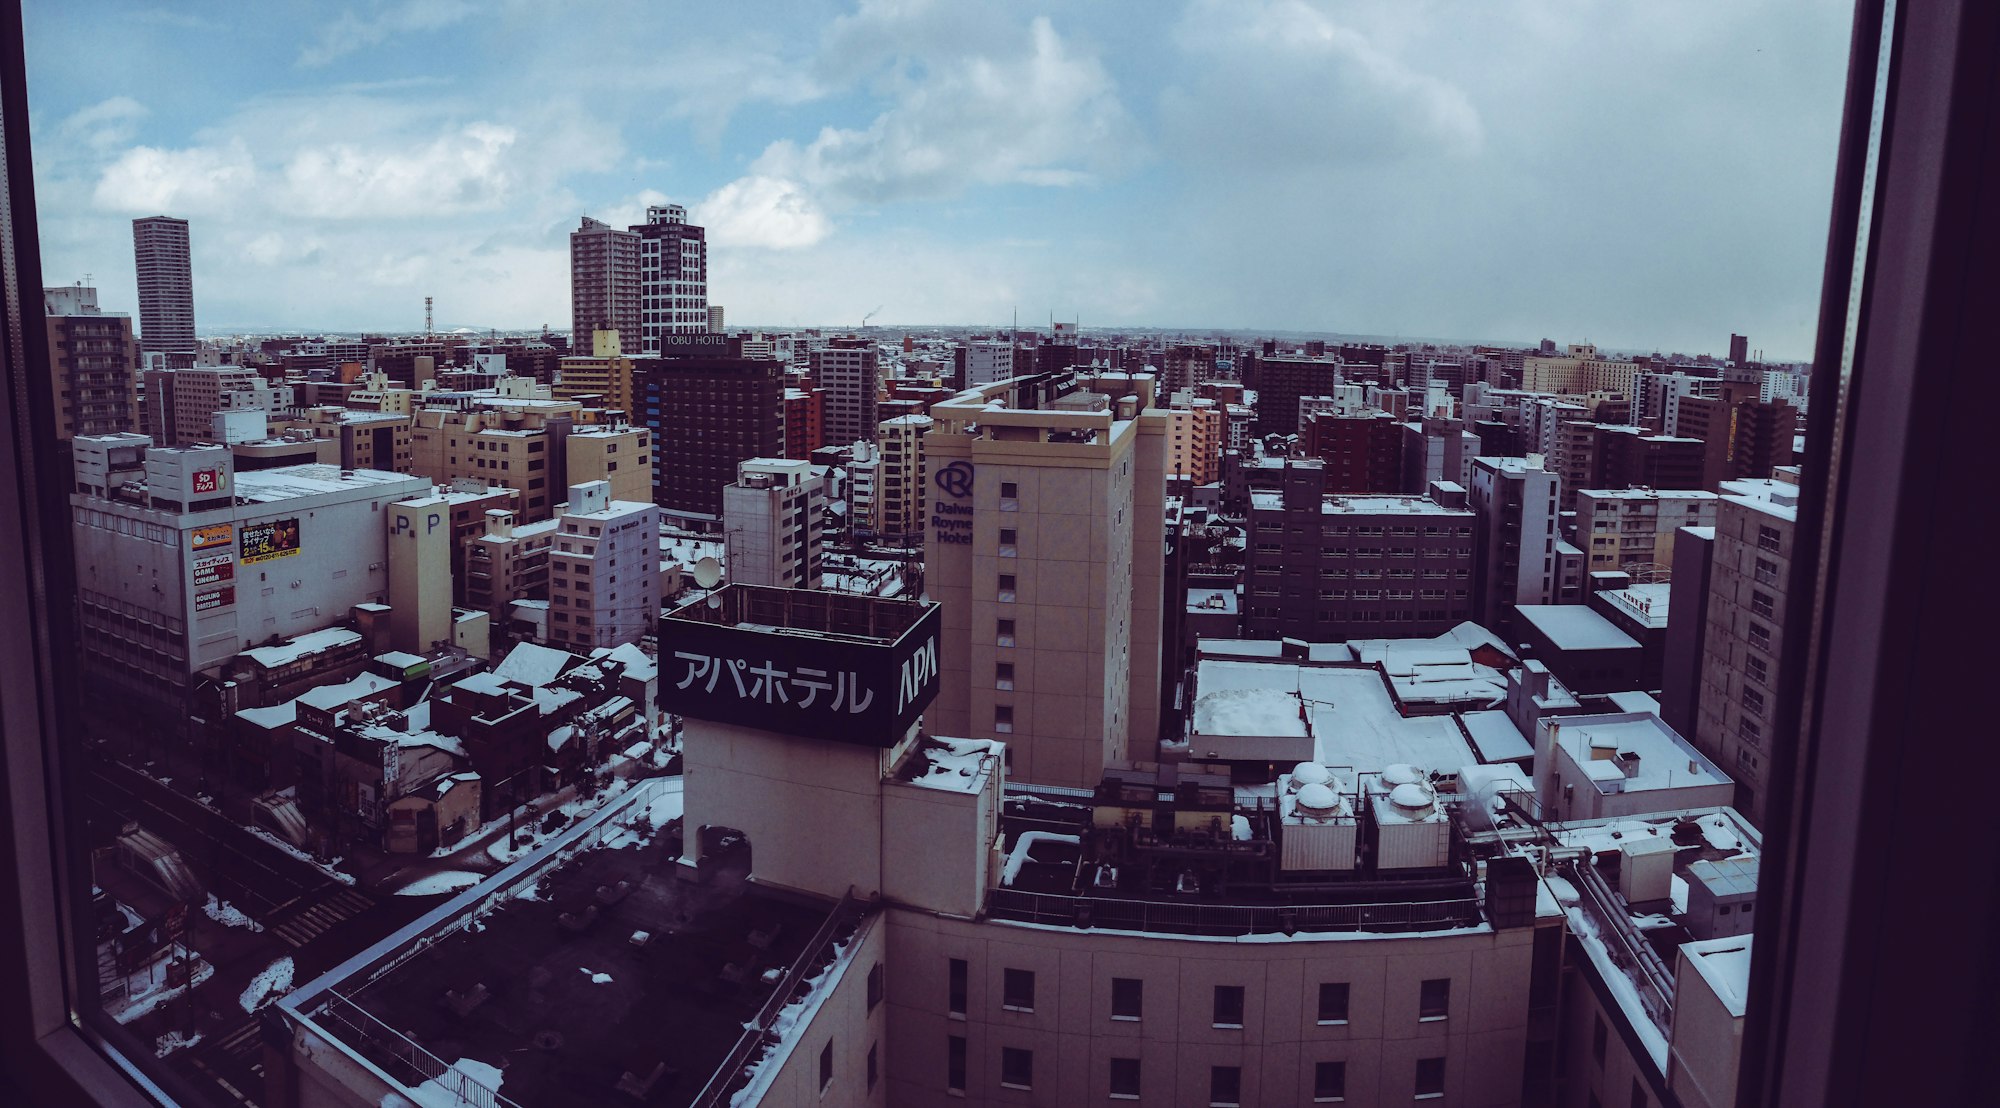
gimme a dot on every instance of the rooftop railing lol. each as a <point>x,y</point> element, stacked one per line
<point>1228,920</point>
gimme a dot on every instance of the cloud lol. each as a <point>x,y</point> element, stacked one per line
<point>105,124</point>
<point>768,212</point>
<point>461,171</point>
<point>351,32</point>
<point>1282,80</point>
<point>1047,115</point>
<point>200,180</point>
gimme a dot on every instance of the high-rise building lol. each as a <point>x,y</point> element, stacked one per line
<point>1514,504</point>
<point>604,281</point>
<point>708,413</point>
<point>773,516</point>
<point>181,404</point>
<point>604,573</point>
<point>1194,445</point>
<point>1580,369</point>
<point>673,278</point>
<point>93,364</point>
<point>905,479</point>
<point>1046,548</point>
<point>1362,449</point>
<point>1283,380</point>
<point>805,422</point>
<point>605,373</point>
<point>987,361</point>
<point>847,368</point>
<point>166,288</point>
<point>1739,349</point>
<point>1736,719</point>
<point>716,326</point>
<point>1632,530</point>
<point>1325,568</point>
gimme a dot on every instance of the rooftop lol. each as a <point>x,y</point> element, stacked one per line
<point>263,486</point>
<point>798,611</point>
<point>1665,759</point>
<point>1353,720</point>
<point>1575,627</point>
<point>285,653</point>
<point>1645,603</point>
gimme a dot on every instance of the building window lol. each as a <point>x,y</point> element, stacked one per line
<point>1767,539</point>
<point>1430,1077</point>
<point>954,1063</point>
<point>1435,1001</point>
<point>826,1065</point>
<point>1003,723</point>
<point>955,991</point>
<point>1638,1094</point>
<point>1003,675</point>
<point>1760,636</point>
<point>1003,632</point>
<point>1008,542</point>
<point>1753,701</point>
<point>1598,1038</point>
<point>1125,1079</point>
<point>1017,1068</point>
<point>1018,990</point>
<point>1127,998</point>
<point>1228,1006</point>
<point>872,1071</point>
<point>1756,669</point>
<point>1006,595</point>
<point>1329,1082</point>
<point>1010,496</point>
<point>1225,1086</point>
<point>1333,1002</point>
<point>874,986</point>
<point>1762,604</point>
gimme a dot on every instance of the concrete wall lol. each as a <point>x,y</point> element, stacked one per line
<point>1074,1037</point>
<point>844,1020</point>
<point>921,824</point>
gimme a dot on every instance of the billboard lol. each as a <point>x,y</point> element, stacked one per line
<point>220,598</point>
<point>207,480</point>
<point>215,534</point>
<point>212,569</point>
<point>838,688</point>
<point>277,538</point>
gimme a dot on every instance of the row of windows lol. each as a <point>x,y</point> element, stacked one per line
<point>1225,1083</point>
<point>1128,995</point>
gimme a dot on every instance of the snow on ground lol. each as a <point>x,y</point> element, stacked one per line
<point>444,881</point>
<point>1720,835</point>
<point>157,994</point>
<point>655,814</point>
<point>1026,842</point>
<point>596,977</point>
<point>324,867</point>
<point>172,1041</point>
<point>449,1089</point>
<point>271,982</point>
<point>229,915</point>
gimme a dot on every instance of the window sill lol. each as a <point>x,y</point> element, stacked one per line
<point>1428,1096</point>
<point>959,1016</point>
<point>1017,1088</point>
<point>1015,1007</point>
<point>1329,1100</point>
<point>1125,1019</point>
<point>1227,1026</point>
<point>1333,1023</point>
<point>959,1093</point>
<point>1124,1096</point>
<point>1433,1019</point>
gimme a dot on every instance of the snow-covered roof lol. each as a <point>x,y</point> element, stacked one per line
<point>333,696</point>
<point>1354,721</point>
<point>1495,736</point>
<point>531,664</point>
<point>638,664</point>
<point>1725,965</point>
<point>489,684</point>
<point>1576,627</point>
<point>285,653</point>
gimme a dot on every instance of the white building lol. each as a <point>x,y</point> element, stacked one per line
<point>604,574</point>
<point>1514,556</point>
<point>772,523</point>
<point>987,361</point>
<point>182,563</point>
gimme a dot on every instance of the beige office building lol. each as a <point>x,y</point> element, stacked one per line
<point>1580,369</point>
<point>604,376</point>
<point>1045,547</point>
<point>1632,530</point>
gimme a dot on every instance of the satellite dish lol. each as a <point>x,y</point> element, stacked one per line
<point>714,601</point>
<point>707,573</point>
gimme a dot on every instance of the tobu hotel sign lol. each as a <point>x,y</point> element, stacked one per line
<point>840,688</point>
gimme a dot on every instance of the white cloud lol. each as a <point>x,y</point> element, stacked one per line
<point>762,212</point>
<point>351,32</point>
<point>460,171</point>
<point>1283,80</point>
<point>199,180</point>
<point>106,124</point>
<point>1045,115</point>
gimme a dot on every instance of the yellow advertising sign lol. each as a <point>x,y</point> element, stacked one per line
<point>278,538</point>
<point>215,534</point>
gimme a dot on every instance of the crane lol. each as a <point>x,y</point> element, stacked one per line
<point>871,315</point>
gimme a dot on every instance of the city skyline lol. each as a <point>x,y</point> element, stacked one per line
<point>859,157</point>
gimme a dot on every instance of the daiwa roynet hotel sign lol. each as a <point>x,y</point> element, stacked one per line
<point>819,665</point>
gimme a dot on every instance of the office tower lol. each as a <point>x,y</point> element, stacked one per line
<point>1047,551</point>
<point>848,370</point>
<point>1514,503</point>
<point>673,278</point>
<point>1282,381</point>
<point>1321,567</point>
<point>1736,719</point>
<point>905,479</point>
<point>1739,349</point>
<point>93,364</point>
<point>773,517</point>
<point>166,288</point>
<point>604,280</point>
<point>708,413</point>
<point>987,361</point>
<point>604,573</point>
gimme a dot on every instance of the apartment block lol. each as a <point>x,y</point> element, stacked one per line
<point>180,404</point>
<point>507,562</point>
<point>1515,507</point>
<point>604,574</point>
<point>905,485</point>
<point>602,379</point>
<point>849,371</point>
<point>93,364</point>
<point>772,523</point>
<point>164,262</point>
<point>805,422</point>
<point>1632,530</point>
<point>604,281</point>
<point>1750,567</point>
<point>1283,380</point>
<point>673,278</point>
<point>1579,369</point>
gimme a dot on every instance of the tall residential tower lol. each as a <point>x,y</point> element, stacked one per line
<point>166,288</point>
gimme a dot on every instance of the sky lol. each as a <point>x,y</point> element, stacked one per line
<point>1642,176</point>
